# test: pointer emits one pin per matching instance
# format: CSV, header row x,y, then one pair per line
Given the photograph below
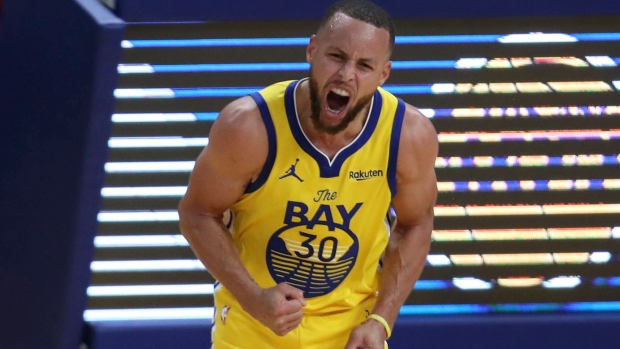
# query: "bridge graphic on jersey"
x,y
314,278
291,171
316,264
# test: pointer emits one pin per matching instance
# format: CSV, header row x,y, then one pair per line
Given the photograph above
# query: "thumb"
x,y
294,293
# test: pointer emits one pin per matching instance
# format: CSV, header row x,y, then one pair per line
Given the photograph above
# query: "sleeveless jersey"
x,y
319,224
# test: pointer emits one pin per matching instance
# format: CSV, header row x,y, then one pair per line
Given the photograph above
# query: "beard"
x,y
315,105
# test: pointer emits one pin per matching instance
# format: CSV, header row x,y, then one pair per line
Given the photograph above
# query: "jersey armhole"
x,y
271,138
394,145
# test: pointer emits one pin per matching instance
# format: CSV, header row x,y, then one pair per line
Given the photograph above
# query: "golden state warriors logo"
x,y
313,251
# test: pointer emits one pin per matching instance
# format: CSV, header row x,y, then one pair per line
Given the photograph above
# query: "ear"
x,y
385,74
310,49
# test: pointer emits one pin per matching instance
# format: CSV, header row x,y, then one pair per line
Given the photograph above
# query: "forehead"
x,y
354,36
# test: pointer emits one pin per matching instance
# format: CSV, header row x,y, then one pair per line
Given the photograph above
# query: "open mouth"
x,y
337,100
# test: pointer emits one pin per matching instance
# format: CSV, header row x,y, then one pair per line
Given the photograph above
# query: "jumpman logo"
x,y
291,171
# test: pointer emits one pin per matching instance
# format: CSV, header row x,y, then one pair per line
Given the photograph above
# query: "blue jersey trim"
x,y
327,170
394,142
271,137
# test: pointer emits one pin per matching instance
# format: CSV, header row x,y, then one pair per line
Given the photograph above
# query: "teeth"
x,y
340,92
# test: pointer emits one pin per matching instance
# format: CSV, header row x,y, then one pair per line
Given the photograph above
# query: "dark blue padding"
x,y
184,10
58,73
154,334
540,331
528,331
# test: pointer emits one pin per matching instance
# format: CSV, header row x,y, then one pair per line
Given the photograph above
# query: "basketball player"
x,y
308,170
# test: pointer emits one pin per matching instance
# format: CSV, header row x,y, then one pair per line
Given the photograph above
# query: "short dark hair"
x,y
365,11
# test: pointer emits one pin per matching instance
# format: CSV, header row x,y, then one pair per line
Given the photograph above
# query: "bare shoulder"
x,y
240,120
418,143
235,155
239,134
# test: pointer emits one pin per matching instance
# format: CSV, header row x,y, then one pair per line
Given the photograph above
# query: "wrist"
x,y
383,322
249,295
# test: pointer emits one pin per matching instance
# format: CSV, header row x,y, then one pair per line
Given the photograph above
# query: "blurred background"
x,y
105,106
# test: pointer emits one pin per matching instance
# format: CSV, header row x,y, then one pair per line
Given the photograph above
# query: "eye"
x,y
336,56
366,66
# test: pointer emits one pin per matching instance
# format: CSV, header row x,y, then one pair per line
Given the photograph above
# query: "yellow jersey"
x,y
316,223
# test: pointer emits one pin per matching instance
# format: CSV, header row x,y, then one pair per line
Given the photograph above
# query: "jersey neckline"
x,y
330,168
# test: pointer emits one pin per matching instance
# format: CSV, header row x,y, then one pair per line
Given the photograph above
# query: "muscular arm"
x,y
219,178
410,237
235,155
409,242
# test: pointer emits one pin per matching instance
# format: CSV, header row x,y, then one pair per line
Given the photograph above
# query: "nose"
x,y
347,70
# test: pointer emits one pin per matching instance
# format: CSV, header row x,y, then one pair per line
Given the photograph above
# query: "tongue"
x,y
336,102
